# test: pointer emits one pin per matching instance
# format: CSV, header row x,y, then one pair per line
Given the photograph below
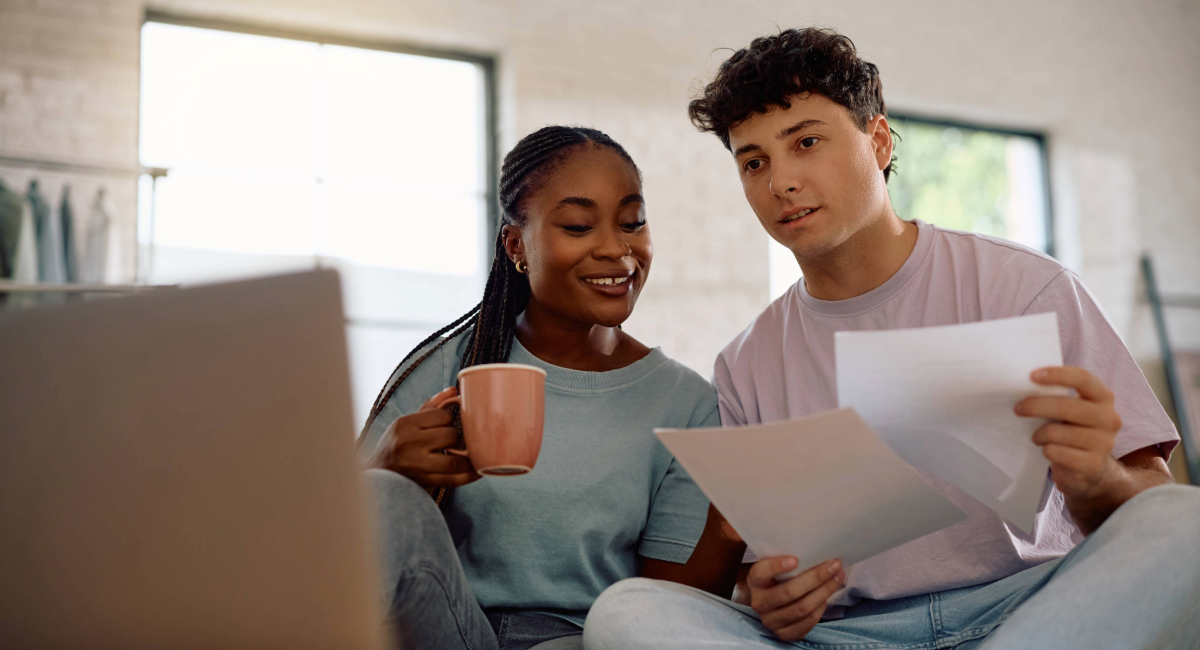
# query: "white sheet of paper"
x,y
943,398
816,488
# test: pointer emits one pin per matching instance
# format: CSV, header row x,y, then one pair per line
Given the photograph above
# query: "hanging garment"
x,y
49,238
25,260
11,207
70,247
95,243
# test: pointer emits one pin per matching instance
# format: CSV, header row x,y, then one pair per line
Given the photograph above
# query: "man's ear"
x,y
514,246
881,137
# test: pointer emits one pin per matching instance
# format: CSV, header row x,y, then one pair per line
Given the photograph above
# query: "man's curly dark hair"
x,y
776,68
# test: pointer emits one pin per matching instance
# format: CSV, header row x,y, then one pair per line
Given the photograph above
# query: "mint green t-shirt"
x,y
603,492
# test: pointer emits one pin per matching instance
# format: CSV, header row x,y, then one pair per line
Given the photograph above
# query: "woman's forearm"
x,y
712,567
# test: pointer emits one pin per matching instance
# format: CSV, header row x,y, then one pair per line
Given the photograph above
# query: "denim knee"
x,y
613,620
410,524
628,594
1169,510
393,488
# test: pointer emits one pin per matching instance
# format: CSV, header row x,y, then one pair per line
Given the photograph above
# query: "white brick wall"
x,y
69,93
1111,82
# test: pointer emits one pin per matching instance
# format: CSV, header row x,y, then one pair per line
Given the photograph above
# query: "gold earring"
x,y
521,266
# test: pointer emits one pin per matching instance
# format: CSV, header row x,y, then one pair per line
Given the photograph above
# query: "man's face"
x,y
812,176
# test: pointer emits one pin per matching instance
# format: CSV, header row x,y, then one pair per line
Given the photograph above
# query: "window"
x,y
963,177
294,153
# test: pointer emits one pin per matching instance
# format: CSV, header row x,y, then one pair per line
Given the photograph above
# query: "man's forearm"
x,y
1128,476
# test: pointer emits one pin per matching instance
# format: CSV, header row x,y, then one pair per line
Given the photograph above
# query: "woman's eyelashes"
x,y
581,229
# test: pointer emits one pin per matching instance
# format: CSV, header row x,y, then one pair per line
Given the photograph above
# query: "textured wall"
x,y
1112,83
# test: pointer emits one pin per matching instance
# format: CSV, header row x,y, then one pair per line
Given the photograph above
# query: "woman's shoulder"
x,y
690,389
427,370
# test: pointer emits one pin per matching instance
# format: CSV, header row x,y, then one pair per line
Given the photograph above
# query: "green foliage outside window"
x,y
953,177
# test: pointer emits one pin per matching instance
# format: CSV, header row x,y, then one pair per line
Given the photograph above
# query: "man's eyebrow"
x,y
746,148
799,126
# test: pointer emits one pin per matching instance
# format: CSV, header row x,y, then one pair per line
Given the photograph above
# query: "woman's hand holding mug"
x,y
414,446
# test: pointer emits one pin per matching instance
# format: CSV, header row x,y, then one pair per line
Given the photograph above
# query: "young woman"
x,y
512,562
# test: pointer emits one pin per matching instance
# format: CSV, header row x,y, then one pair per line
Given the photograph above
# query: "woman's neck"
x,y
572,344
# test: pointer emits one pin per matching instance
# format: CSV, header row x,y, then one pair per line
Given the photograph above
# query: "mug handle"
x,y
457,399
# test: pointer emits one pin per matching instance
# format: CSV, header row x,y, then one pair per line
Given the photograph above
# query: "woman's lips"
x,y
612,290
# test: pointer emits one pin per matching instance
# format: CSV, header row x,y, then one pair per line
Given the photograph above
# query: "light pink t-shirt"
x,y
782,367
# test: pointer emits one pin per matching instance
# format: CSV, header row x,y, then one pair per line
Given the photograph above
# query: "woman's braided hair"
x,y
493,321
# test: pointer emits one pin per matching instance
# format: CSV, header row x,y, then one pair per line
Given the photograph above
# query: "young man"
x,y
1113,560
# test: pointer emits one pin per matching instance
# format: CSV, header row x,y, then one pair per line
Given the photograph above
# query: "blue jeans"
x,y
425,594
1133,584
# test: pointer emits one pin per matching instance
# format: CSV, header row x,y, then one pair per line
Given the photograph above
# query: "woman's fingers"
x,y
436,438
436,400
438,463
429,419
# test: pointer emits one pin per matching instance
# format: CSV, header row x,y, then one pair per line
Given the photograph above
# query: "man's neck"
x,y
864,262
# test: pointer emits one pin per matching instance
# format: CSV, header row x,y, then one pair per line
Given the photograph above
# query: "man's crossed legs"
x,y
1133,584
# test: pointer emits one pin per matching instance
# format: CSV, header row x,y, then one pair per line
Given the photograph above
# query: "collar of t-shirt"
x,y
882,293
583,381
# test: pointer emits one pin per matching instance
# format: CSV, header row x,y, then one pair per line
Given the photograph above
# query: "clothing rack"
x,y
1187,435
79,168
154,173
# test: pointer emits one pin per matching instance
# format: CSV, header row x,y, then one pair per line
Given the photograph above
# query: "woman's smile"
x,y
611,283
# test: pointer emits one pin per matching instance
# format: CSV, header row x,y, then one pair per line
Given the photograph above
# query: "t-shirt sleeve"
x,y
732,414
426,381
1089,341
679,509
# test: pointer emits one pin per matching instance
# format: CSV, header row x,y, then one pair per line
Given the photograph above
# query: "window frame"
x,y
486,62
1041,138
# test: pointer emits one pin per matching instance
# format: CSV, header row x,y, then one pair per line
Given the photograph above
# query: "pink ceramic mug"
x,y
503,410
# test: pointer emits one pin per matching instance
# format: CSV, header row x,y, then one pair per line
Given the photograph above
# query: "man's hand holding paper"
x,y
804,492
958,402
944,398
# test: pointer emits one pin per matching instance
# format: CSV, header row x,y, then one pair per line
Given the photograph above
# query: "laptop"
x,y
177,470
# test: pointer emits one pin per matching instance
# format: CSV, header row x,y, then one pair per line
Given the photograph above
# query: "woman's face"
x,y
585,238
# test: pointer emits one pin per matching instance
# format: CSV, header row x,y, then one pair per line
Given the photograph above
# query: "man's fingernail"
x,y
790,563
835,566
841,577
1040,373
